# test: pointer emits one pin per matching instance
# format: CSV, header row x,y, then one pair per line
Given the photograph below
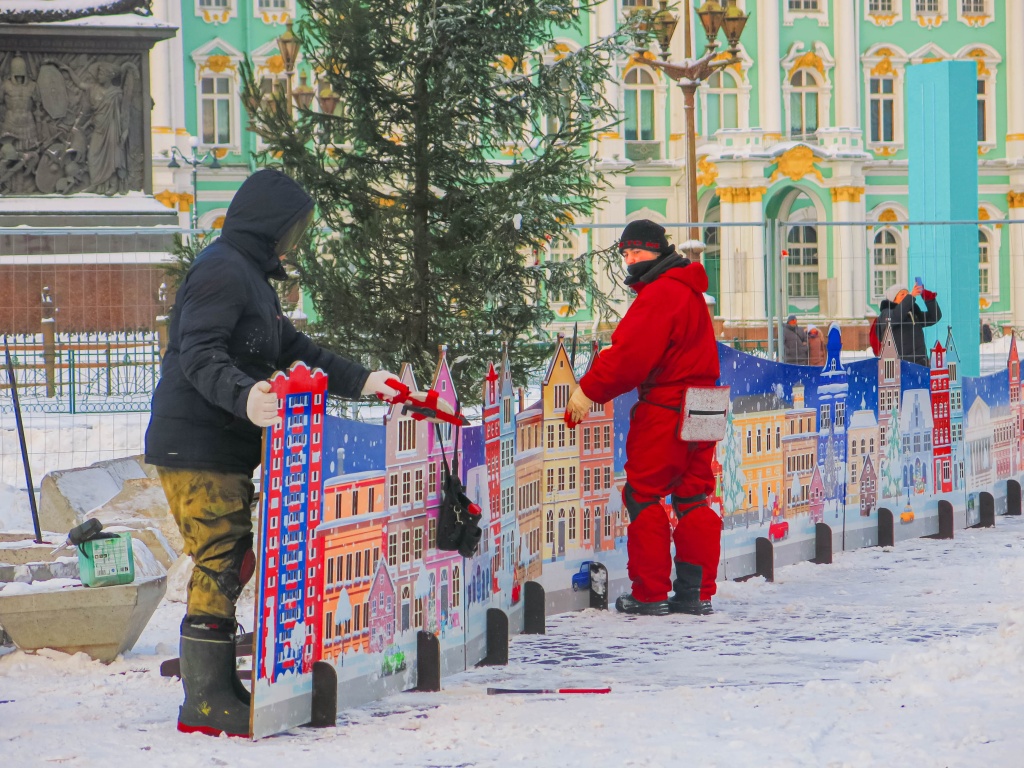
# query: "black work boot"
x,y
687,591
208,673
629,604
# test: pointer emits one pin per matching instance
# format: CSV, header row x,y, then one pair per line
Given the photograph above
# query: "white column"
x,y
1014,53
1017,260
848,255
742,256
846,73
769,82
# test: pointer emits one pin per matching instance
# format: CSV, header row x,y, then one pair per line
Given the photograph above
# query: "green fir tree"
x,y
892,475
734,497
460,147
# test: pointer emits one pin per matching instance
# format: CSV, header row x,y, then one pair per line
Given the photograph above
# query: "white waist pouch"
x,y
703,414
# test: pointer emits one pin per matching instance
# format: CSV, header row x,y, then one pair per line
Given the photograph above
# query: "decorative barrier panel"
x,y
805,448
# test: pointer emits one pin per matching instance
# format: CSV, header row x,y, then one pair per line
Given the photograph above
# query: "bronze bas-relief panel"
x,y
71,122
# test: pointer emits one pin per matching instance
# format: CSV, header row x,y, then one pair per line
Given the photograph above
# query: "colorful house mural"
x,y
355,585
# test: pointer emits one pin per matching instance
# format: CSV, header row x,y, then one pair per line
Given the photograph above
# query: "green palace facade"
x,y
805,131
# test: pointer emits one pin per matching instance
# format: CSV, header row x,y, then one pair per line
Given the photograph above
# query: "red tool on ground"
x,y
495,691
424,405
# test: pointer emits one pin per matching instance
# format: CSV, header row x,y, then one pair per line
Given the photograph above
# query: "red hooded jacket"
x,y
664,343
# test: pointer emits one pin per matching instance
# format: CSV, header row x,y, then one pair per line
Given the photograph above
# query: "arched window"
x,y
984,263
549,528
639,105
721,102
882,99
803,104
456,586
802,264
712,256
586,524
639,125
885,258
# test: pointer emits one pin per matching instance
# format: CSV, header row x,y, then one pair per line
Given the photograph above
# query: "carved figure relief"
x,y
70,123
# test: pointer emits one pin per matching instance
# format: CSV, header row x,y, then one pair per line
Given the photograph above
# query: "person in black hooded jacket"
x,y
228,335
899,309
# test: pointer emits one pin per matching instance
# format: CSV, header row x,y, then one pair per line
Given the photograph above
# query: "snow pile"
x,y
905,656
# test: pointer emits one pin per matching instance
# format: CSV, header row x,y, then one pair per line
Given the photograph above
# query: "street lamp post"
x,y
195,160
691,73
288,46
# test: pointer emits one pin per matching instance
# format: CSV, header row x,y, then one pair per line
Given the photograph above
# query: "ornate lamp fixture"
x,y
711,15
304,94
735,21
328,100
665,23
288,45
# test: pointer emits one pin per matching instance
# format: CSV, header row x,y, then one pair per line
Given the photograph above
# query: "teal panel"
x,y
942,141
659,206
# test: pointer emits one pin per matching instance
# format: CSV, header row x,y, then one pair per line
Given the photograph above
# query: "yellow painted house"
x,y
560,480
761,421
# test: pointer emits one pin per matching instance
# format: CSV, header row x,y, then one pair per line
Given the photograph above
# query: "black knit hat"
x,y
645,234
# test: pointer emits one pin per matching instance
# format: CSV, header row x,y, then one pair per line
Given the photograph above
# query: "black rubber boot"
x,y
629,604
208,673
687,591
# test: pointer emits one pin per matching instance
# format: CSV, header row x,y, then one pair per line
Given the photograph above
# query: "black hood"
x,y
262,210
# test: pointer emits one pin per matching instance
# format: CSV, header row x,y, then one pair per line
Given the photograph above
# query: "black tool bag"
x,y
458,519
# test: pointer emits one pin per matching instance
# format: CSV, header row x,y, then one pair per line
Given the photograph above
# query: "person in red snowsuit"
x,y
663,344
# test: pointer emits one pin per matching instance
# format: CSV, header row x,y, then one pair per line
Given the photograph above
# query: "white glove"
x,y
376,385
578,406
261,405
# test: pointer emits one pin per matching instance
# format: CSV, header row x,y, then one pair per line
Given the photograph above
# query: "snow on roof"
x,y
863,419
133,202
125,13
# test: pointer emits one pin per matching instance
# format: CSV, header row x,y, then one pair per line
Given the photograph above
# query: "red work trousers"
x,y
658,464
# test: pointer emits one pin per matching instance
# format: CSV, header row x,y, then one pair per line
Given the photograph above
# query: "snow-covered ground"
x,y
909,656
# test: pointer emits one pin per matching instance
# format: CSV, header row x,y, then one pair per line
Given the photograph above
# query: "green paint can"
x,y
106,559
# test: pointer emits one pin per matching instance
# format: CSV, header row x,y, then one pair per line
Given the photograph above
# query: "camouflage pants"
x,y
212,510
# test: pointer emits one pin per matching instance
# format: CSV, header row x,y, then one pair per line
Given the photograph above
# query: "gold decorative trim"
x,y
979,56
736,65
934,21
219,63
797,163
983,150
676,136
218,223
183,200
707,172
931,59
1015,199
983,215
162,129
282,17
847,194
809,60
216,17
275,64
884,151
181,132
884,67
734,195
1015,137
888,215
883,19
976,20
609,135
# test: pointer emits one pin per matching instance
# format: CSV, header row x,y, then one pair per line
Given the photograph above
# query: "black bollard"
x,y
764,558
497,639
533,608
886,528
822,544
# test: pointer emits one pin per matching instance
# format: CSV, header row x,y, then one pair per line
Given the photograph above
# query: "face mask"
x,y
293,236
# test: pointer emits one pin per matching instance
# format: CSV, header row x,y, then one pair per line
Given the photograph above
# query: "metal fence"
x,y
84,372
